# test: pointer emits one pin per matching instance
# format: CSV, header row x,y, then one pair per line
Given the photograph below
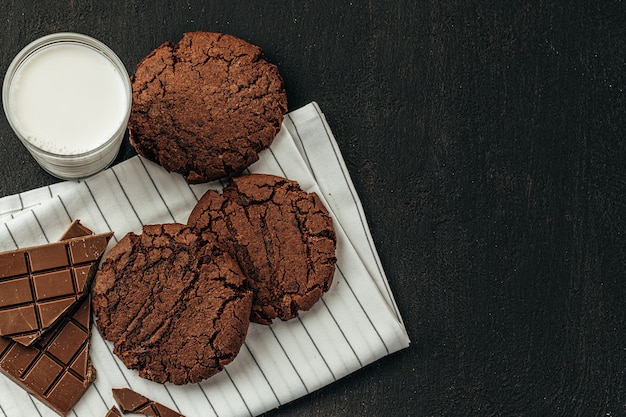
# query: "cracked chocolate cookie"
x,y
281,236
176,310
205,106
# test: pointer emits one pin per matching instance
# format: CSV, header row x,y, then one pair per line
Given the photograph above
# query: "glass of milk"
x,y
67,97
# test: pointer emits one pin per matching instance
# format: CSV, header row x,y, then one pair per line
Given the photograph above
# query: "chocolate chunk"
x,y
76,229
282,237
39,284
175,309
130,401
56,369
113,412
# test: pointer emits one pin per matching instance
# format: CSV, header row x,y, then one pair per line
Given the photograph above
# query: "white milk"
x,y
68,99
67,96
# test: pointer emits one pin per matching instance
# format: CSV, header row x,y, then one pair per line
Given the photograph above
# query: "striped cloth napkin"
x,y
356,322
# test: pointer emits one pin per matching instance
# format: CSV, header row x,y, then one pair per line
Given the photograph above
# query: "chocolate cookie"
x,y
205,106
282,237
175,310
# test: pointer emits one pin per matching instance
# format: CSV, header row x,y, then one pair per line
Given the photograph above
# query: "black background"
x,y
486,141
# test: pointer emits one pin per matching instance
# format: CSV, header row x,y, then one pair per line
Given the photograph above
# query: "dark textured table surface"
x,y
486,142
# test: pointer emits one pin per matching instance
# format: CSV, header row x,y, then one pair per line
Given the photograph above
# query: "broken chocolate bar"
x,y
130,401
39,284
56,369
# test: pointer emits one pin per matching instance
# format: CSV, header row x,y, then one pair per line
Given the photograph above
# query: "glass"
x,y
67,97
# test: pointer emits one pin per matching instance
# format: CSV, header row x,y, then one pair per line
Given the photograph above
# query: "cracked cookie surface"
x,y
176,310
282,237
205,106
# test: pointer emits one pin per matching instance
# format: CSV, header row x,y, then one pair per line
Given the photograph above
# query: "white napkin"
x,y
356,322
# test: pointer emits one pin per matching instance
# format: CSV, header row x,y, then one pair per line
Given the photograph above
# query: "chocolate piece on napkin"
x,y
113,412
130,401
76,229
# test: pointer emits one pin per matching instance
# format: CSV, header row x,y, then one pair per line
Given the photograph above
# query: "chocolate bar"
x,y
38,285
56,369
130,401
